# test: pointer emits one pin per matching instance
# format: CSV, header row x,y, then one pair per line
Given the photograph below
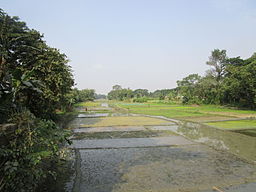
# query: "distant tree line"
x,y
118,93
76,96
229,81
137,95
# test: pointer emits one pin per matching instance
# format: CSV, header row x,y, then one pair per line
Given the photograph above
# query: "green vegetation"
x,y
78,96
35,82
87,104
124,121
197,113
29,152
176,110
249,132
138,95
235,125
118,93
229,81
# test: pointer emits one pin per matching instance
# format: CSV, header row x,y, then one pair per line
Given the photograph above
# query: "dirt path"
x,y
122,153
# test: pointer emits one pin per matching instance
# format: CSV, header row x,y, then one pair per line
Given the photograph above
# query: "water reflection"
x,y
241,145
104,104
94,115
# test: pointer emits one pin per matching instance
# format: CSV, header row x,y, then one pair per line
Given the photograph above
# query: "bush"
x,y
29,152
140,100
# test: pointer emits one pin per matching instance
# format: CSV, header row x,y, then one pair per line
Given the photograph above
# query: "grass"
x,y
181,111
249,132
198,113
126,121
87,104
123,134
234,125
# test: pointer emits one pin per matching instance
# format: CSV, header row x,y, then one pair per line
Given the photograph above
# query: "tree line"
x,y
229,81
137,95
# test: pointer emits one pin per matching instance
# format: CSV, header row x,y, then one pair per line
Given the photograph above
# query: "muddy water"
x,y
241,145
189,168
109,129
104,105
165,163
93,115
130,142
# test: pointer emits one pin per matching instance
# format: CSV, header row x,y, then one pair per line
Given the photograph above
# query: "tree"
x,y
217,61
239,85
140,93
160,94
188,86
120,94
116,87
32,75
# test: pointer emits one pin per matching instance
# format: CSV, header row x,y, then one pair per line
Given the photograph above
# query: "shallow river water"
x,y
195,158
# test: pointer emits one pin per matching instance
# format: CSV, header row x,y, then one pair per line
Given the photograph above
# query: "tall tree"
x,y
217,61
32,74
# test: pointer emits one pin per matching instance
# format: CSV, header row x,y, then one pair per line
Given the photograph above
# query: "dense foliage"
x,y
229,81
76,96
139,95
118,93
31,73
162,93
35,81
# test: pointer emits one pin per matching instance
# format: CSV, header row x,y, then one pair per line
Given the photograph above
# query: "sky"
x,y
146,44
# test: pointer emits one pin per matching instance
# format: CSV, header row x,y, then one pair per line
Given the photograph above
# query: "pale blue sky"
x,y
140,43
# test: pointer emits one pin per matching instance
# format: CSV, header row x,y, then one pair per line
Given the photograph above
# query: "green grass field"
x,y
213,115
87,104
234,125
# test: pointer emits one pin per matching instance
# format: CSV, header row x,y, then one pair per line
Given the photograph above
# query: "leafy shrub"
x,y
29,151
140,100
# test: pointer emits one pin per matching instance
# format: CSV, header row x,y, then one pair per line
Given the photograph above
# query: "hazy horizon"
x,y
140,44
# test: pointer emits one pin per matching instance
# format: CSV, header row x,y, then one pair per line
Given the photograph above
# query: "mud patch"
x,y
123,134
170,128
130,142
109,129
